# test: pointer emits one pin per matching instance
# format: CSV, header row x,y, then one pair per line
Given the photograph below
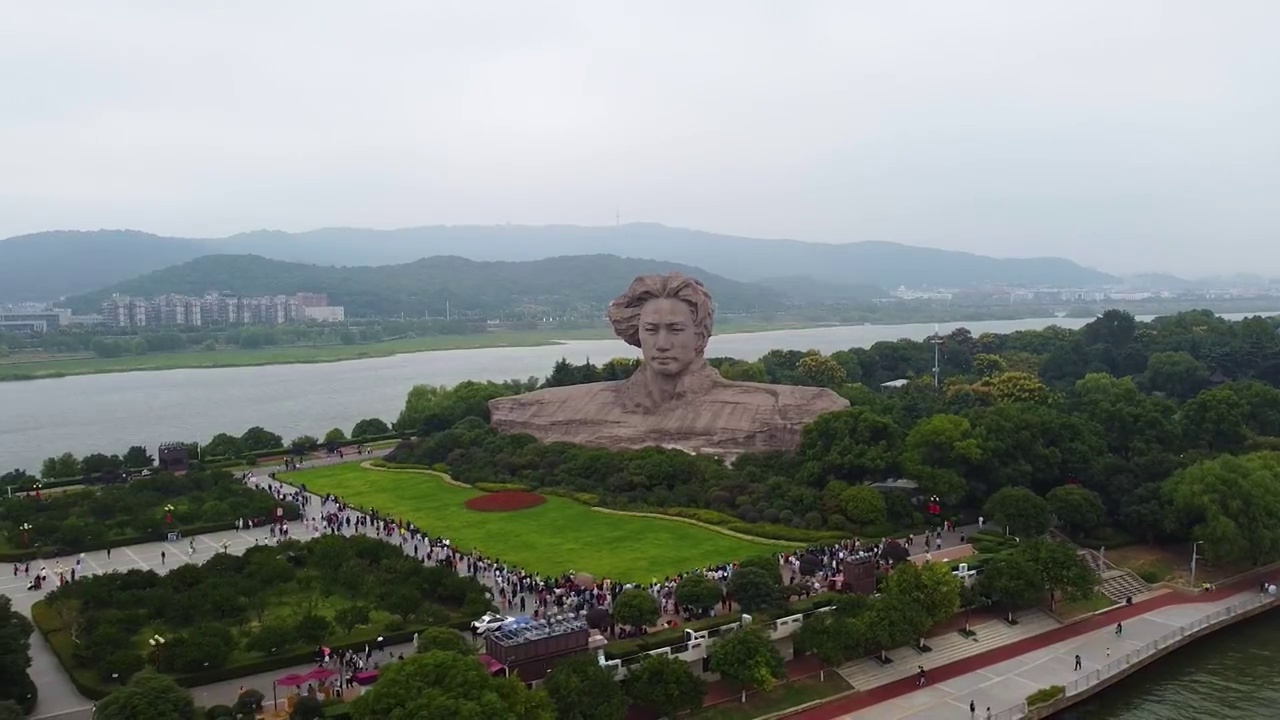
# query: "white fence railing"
x,y
1119,664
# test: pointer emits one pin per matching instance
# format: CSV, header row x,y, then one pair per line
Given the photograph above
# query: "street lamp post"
x,y
156,642
26,529
1194,547
168,515
36,486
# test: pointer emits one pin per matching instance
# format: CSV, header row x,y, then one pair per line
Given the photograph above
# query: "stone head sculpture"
x,y
669,317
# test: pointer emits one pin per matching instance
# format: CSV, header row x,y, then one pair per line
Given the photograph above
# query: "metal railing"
x,y
1096,676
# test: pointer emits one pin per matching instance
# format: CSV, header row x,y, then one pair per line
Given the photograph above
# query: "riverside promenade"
x,y
1000,679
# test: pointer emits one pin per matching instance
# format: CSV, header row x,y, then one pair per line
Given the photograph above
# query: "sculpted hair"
x,y
624,312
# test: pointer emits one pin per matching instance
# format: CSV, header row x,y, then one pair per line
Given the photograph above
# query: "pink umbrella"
x,y
320,674
294,680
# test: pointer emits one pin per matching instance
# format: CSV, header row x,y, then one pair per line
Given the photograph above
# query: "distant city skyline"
x,y
1133,137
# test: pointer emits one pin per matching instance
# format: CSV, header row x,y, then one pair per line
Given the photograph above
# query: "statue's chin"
x,y
668,369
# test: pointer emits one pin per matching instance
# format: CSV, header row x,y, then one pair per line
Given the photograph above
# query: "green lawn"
x,y
555,537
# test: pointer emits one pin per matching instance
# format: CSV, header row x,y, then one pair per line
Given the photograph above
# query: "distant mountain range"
x,y
50,265
580,285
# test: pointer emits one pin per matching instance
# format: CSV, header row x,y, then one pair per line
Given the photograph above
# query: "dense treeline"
x,y
1105,427
570,285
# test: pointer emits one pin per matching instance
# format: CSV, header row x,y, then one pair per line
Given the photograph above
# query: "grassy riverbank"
x,y
17,367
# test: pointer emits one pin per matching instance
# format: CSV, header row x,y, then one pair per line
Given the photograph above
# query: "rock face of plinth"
x,y
708,415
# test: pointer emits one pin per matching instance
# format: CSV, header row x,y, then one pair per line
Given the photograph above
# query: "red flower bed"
x,y
505,501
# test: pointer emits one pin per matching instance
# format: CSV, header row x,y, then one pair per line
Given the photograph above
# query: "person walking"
x,y
1077,662
1119,629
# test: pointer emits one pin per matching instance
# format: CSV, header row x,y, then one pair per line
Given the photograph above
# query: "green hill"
x,y
572,286
45,266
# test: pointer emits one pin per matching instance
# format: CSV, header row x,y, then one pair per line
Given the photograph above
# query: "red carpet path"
x,y
874,696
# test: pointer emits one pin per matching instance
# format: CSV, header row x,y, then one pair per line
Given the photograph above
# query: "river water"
x,y
1229,674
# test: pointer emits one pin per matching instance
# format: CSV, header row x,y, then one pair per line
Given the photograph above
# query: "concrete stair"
x,y
1118,584
866,673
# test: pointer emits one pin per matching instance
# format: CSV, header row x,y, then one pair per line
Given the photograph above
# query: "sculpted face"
x,y
668,338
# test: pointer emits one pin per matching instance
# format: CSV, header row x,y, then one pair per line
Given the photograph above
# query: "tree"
x,y
136,457
15,653
636,608
1062,571
1216,420
768,564
369,427
988,366
1231,504
932,587
448,685
749,658
581,688
940,453
223,445
63,466
349,617
664,685
10,710
444,640
698,592
257,439
832,636
334,436
820,371
1022,511
1176,374
863,506
1114,328
753,589
853,445
307,707
1011,581
148,696
303,444
1019,387
890,622
1079,509
95,463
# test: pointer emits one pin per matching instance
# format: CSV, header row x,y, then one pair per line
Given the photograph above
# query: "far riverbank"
x,y
34,365
14,368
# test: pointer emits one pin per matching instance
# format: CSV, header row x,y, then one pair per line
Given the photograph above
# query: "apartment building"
x,y
215,309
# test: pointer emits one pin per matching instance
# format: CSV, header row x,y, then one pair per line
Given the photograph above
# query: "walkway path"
x,y
1004,676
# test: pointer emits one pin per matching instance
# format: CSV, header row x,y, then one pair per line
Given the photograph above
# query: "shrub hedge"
x,y
87,683
621,649
493,487
763,530
1046,695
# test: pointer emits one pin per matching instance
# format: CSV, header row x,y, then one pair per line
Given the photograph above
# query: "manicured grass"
x,y
783,697
1091,604
555,537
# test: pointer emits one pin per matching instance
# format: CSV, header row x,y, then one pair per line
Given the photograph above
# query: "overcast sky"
x,y
1123,134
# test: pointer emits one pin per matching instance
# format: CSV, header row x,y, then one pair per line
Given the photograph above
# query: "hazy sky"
x,y
1123,134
